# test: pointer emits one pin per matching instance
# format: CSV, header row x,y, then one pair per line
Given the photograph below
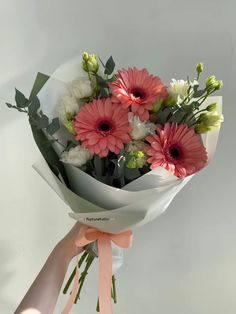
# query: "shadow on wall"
x,y
6,274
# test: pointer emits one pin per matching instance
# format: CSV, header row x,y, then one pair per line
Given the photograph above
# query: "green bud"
x,y
202,117
69,125
207,122
85,56
131,164
213,84
157,105
199,68
90,63
201,128
169,101
212,107
69,122
219,85
137,159
69,116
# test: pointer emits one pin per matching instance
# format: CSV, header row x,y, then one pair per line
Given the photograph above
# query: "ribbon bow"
x,y
88,235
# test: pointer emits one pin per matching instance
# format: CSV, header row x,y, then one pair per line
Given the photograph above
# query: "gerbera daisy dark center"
x,y
104,126
138,93
175,152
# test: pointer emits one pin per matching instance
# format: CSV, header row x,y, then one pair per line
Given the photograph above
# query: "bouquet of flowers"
x,y
117,148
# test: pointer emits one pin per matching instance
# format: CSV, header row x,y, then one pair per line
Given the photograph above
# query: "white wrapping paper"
x,y
96,204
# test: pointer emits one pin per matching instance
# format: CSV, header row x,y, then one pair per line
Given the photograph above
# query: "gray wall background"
x,y
182,263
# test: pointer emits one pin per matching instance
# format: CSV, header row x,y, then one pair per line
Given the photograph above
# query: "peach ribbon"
x,y
88,235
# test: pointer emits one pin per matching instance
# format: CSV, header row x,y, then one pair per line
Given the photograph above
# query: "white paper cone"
x,y
94,203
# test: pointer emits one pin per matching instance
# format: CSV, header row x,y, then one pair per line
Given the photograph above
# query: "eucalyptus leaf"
x,y
163,115
40,138
110,66
49,154
34,106
39,82
70,144
21,100
112,79
132,174
177,117
104,93
42,121
99,166
53,127
101,82
10,105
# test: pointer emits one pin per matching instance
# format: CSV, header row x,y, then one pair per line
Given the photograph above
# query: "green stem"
x,y
188,97
98,307
84,274
113,293
114,289
205,97
73,273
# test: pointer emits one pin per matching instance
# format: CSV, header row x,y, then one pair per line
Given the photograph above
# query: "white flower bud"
x,y
76,156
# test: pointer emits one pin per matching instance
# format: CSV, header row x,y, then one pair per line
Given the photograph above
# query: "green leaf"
x,y
53,126
21,100
39,82
49,154
34,106
112,79
37,118
110,66
14,107
42,121
69,145
177,117
132,174
10,105
104,93
101,82
164,115
99,166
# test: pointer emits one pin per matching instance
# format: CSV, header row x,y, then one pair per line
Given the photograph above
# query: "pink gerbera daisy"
x,y
177,148
138,89
102,126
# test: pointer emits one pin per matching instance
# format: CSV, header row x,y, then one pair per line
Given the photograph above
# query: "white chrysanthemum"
x,y
76,156
178,89
81,88
140,129
68,104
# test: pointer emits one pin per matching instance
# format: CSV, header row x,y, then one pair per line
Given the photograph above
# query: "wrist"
x,y
65,250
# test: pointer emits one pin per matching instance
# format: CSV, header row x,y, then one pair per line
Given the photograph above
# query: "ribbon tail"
x,y
74,291
105,274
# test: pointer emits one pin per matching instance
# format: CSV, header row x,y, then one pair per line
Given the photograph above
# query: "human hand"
x,y
67,244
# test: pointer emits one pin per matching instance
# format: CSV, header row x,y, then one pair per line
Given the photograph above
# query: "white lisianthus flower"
x,y
81,88
140,129
67,105
178,89
194,83
76,156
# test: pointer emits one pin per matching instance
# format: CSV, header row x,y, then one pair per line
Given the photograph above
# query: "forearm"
x,y
42,296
